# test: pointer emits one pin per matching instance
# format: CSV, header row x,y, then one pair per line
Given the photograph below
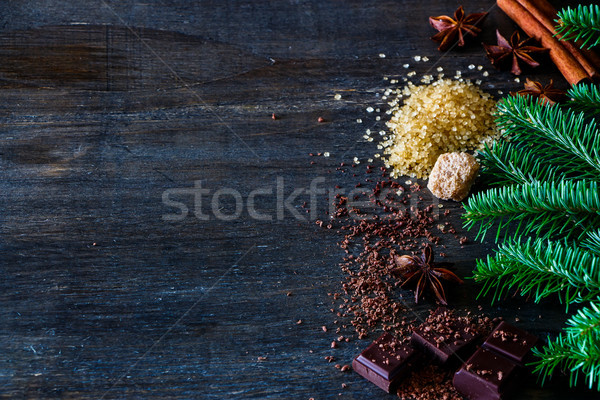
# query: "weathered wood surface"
x,y
106,106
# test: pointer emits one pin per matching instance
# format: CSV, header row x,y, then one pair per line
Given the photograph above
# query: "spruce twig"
x,y
586,98
568,208
506,163
580,24
564,137
541,268
577,351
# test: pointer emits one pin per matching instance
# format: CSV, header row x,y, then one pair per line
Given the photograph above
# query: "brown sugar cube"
x,y
452,176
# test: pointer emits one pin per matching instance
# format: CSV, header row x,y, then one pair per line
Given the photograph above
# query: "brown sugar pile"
x,y
444,116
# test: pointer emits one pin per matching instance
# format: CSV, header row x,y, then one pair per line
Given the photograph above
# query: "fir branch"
x,y
577,351
562,137
551,157
567,208
541,268
586,98
580,24
505,163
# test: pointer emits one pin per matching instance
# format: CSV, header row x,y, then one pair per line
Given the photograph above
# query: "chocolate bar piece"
x,y
511,342
486,376
445,336
384,362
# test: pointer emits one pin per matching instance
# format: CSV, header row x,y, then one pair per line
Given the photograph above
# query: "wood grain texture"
x,y
106,106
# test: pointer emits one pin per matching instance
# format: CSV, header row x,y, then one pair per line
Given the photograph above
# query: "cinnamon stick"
x,y
550,15
545,13
570,68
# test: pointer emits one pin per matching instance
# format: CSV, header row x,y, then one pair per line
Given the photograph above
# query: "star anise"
x,y
546,94
452,30
514,49
426,272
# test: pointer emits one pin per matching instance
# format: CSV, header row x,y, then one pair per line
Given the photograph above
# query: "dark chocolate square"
x,y
450,338
486,376
511,342
384,362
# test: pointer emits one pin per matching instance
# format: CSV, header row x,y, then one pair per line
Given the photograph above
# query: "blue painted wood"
x,y
116,117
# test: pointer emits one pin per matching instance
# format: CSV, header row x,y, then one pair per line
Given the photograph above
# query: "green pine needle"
x,y
580,24
586,98
577,351
540,268
592,242
561,137
568,208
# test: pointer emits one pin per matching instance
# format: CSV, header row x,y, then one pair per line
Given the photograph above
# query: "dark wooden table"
x,y
115,114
